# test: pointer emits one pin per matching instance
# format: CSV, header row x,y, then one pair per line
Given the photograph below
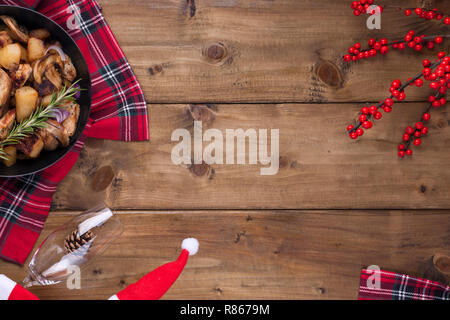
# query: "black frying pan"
x,y
34,20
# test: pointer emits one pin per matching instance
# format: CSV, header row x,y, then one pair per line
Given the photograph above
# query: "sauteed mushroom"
x,y
69,72
20,75
71,122
53,75
40,67
41,34
5,90
5,39
18,32
54,135
46,74
6,123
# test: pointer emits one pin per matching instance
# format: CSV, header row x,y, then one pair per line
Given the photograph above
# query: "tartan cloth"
x,y
118,113
384,285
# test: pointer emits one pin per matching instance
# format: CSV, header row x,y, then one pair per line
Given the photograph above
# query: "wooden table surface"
x,y
334,207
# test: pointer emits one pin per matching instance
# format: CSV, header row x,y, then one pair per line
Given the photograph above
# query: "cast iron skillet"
x,y
34,20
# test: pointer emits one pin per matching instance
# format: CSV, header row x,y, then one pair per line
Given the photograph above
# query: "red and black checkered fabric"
x,y
384,285
118,113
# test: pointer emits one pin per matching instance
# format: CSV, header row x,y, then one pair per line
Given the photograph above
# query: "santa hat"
x,y
155,284
9,290
151,287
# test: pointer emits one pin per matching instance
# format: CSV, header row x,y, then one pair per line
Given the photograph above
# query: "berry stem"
x,y
402,87
427,110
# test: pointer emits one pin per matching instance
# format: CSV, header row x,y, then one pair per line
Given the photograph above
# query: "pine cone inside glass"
x,y
74,242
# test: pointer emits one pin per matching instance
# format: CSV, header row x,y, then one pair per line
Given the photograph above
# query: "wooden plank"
x,y
261,51
321,167
260,254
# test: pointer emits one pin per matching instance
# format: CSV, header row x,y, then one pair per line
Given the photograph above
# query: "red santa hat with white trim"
x,y
156,283
9,290
151,287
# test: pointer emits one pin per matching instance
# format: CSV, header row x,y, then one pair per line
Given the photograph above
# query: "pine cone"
x,y
74,242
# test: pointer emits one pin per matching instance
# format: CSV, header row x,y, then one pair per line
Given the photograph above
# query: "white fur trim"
x,y
191,245
114,297
6,287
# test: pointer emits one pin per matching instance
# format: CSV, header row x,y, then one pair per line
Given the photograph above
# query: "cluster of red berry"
x,y
440,82
439,76
412,41
361,6
428,14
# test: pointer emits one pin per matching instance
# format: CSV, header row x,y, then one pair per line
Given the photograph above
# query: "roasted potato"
x,y
36,49
31,146
26,102
10,56
11,152
40,34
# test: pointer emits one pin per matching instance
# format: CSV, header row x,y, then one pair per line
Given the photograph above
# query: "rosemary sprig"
x,y
37,120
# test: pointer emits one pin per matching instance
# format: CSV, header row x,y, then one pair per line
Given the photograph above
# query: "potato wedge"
x,y
40,34
31,146
36,49
11,152
10,56
26,98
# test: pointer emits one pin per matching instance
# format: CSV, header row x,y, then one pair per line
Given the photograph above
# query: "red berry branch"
x,y
428,14
437,74
439,81
362,6
381,46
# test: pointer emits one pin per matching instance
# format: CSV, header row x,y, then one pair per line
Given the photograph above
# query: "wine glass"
x,y
73,245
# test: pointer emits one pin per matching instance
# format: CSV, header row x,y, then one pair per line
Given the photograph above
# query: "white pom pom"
x,y
191,245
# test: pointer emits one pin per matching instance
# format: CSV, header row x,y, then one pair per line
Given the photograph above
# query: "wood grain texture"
x,y
260,254
261,51
321,167
283,58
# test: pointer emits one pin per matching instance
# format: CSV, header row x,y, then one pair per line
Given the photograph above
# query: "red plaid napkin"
x,y
383,285
118,113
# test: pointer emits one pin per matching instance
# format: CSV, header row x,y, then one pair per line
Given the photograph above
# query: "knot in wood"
x,y
329,74
200,169
102,178
216,52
